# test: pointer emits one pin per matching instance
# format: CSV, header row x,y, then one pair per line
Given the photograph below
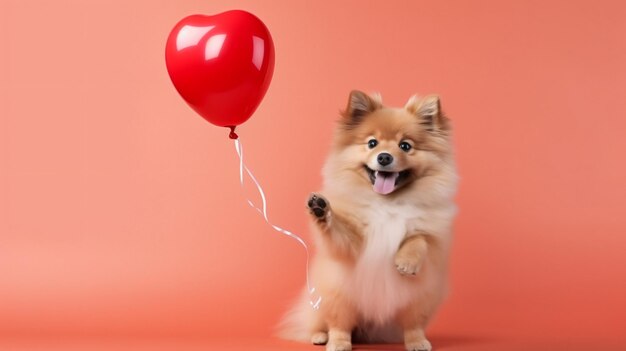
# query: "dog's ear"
x,y
428,109
359,105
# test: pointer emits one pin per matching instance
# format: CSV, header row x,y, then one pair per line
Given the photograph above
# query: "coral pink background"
x,y
122,224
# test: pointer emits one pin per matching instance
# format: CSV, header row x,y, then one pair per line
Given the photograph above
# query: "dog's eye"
x,y
405,146
372,143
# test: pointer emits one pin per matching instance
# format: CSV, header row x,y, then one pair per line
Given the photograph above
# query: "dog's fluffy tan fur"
x,y
382,249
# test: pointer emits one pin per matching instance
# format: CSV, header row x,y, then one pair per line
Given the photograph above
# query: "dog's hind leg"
x,y
319,338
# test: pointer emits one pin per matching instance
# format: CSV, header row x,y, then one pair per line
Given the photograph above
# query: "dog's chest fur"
x,y
378,288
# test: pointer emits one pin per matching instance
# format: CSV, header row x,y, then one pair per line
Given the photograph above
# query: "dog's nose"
x,y
384,159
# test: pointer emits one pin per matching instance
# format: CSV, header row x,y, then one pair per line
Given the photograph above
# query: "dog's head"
x,y
388,149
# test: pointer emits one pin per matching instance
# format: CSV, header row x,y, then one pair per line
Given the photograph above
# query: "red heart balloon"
x,y
221,65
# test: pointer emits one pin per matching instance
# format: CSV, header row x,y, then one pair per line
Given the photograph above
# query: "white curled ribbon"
x,y
315,303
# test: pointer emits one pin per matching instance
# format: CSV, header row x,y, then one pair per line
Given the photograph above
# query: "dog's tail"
x,y
300,322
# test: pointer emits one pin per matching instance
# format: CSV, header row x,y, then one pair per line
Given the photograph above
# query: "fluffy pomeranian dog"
x,y
382,226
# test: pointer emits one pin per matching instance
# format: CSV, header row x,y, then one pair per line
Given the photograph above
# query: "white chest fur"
x,y
377,287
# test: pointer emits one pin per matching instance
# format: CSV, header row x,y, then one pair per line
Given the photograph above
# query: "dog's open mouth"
x,y
386,182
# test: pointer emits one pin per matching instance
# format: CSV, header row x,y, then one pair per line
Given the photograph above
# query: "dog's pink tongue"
x,y
384,184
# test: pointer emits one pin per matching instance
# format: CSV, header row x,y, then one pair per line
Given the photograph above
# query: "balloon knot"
x,y
232,133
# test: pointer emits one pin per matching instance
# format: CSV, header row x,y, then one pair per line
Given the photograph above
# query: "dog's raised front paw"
x,y
408,265
318,206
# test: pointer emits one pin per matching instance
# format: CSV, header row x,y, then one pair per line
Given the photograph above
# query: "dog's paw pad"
x,y
318,205
408,266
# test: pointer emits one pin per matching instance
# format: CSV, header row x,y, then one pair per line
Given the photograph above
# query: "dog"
x,y
382,226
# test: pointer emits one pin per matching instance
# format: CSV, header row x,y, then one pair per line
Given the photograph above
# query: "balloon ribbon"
x,y
315,303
